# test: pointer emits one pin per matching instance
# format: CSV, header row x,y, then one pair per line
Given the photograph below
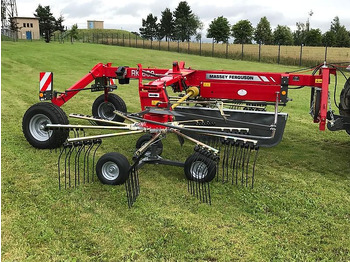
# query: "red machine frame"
x,y
212,84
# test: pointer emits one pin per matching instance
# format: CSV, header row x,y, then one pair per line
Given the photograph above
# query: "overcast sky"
x,y
128,14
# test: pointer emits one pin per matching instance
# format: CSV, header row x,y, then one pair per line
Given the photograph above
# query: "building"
x,y
93,24
28,27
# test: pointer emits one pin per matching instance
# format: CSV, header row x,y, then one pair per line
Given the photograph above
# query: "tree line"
x,y
182,24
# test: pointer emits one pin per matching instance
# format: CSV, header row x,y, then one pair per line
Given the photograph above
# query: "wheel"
x,y
200,168
315,104
103,109
112,168
344,105
144,139
35,120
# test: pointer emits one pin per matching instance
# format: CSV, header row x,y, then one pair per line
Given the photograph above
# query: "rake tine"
x,y
132,184
245,151
256,157
63,149
197,179
233,164
240,161
227,159
65,164
232,157
247,165
86,159
98,142
223,162
128,190
80,146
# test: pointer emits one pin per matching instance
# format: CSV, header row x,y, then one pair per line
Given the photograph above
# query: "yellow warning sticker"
x,y
206,84
318,81
155,102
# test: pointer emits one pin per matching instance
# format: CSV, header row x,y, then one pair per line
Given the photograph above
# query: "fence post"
x,y
200,46
136,40
301,54
212,49
242,55
188,46
178,46
259,51
226,49
151,43
143,43
112,39
159,45
123,41
325,53
279,53
129,40
168,44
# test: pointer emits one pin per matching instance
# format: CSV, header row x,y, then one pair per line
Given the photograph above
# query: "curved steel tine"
x,y
86,160
80,146
63,149
238,163
256,157
245,151
234,163
98,142
247,165
128,190
65,165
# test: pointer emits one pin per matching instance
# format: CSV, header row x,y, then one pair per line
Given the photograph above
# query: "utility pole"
x,y
8,11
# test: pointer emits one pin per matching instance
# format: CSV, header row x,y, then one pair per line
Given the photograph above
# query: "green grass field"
x,y
299,209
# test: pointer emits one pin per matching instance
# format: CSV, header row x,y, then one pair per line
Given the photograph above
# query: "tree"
x,y
59,24
282,35
242,31
341,36
300,34
149,29
46,21
313,37
219,29
263,32
73,33
328,38
166,26
186,22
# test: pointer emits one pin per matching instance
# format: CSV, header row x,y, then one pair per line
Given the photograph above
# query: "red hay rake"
x,y
223,113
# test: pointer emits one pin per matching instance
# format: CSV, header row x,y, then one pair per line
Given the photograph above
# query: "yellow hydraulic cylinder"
x,y
192,91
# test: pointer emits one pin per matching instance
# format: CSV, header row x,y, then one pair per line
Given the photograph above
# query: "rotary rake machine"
x,y
223,113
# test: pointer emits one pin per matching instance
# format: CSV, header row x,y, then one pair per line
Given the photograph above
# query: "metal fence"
x,y
280,54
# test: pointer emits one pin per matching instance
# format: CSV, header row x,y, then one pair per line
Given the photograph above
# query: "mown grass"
x,y
298,210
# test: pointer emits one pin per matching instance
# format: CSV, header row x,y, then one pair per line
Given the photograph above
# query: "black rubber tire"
x,y
344,104
199,161
315,103
35,119
144,139
112,169
104,110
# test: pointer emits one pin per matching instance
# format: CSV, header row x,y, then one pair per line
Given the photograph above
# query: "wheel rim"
x,y
105,110
37,126
110,170
199,170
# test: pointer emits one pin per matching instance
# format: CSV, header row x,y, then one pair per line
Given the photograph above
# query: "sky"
x,y
128,14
